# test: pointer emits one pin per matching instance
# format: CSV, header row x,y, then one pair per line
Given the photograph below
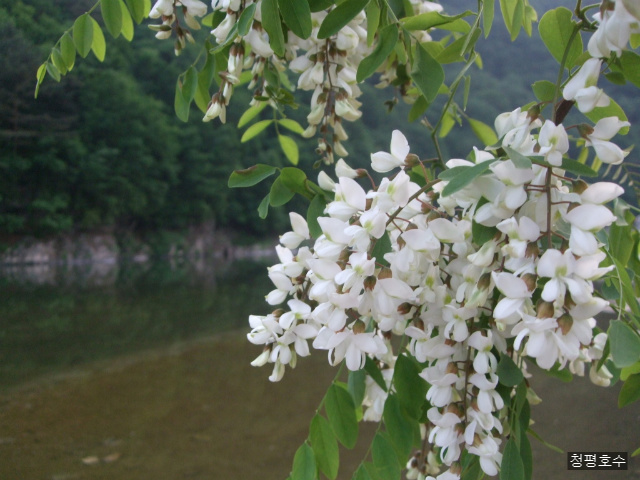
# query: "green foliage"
x,y
341,412
559,33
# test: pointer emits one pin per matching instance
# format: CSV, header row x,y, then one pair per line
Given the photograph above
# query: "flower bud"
x,y
277,313
412,160
585,130
385,272
568,301
370,282
579,186
532,251
359,327
565,322
484,282
530,279
404,308
544,309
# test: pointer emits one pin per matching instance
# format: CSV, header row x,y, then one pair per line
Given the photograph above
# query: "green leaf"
x,y
246,20
484,132
319,5
508,372
127,22
418,108
512,13
291,125
544,442
386,43
401,429
563,375
630,370
373,21
621,242
98,45
577,168
40,75
356,384
297,16
556,28
315,210
53,71
512,467
630,62
374,372
325,446
250,176
428,20
488,13
526,455
340,16
544,90
481,233
295,180
465,177
139,9
190,84
519,160
279,193
410,386
427,73
180,105
112,16
273,26
630,391
68,51
362,474
290,148
625,344
304,464
382,246
56,58
613,110
341,412
385,461
254,130
251,113
263,208
83,34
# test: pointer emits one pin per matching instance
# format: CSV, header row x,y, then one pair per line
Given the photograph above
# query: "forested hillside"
x,y
104,149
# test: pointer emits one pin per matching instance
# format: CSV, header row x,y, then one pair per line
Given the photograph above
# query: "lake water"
x,y
142,371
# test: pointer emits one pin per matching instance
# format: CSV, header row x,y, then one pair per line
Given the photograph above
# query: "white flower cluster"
x,y
327,67
527,292
500,268
166,11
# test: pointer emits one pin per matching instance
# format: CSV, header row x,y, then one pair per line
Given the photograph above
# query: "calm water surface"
x,y
142,372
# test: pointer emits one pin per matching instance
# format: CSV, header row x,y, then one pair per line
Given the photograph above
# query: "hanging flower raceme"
x,y
527,293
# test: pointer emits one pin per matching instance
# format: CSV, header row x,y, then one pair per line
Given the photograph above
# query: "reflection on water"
x,y
170,397
57,317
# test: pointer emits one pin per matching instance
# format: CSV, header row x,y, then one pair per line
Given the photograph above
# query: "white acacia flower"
x,y
554,142
350,346
559,268
350,198
582,87
615,29
601,192
541,343
384,161
299,234
604,130
484,361
162,8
